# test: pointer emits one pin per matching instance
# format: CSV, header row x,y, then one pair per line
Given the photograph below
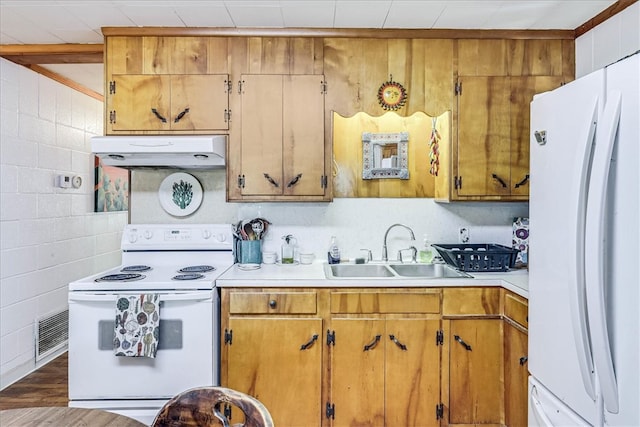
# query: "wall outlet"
x,y
463,235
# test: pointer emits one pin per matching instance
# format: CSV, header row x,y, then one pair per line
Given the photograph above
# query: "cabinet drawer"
x,y
516,309
471,301
272,302
380,302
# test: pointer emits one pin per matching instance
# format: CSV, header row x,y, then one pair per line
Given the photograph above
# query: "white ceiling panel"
x,y
308,14
523,15
256,13
468,14
412,14
17,27
361,14
152,14
203,15
570,14
100,14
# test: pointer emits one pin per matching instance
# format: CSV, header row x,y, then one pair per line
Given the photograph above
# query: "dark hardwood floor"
x,y
46,386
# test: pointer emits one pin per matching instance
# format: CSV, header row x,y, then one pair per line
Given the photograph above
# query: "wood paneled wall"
x,y
355,69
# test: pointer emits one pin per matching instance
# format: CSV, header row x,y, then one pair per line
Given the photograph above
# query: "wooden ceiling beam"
x,y
30,54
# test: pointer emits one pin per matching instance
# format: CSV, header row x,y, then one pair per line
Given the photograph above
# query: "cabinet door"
x,y
475,372
262,134
515,374
136,98
522,91
163,102
199,102
412,374
357,372
303,135
267,362
484,144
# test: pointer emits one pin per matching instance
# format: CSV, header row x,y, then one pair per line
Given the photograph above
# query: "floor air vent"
x,y
52,333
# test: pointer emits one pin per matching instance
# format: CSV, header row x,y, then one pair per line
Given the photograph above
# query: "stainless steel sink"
x,y
341,271
426,270
391,271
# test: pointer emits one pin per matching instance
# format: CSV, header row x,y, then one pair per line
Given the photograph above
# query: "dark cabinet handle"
x,y
162,119
294,181
272,303
309,343
464,344
496,177
398,343
271,180
372,344
523,182
523,360
181,115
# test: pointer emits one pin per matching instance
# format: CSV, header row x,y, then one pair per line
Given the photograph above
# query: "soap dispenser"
x,y
426,251
288,249
333,254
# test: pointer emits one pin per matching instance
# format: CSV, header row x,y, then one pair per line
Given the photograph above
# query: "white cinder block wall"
x,y
49,236
615,38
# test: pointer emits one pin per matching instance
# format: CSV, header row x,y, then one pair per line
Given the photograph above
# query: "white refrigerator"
x,y
584,262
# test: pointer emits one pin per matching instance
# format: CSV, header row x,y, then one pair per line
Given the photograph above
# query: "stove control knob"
x,y
206,234
222,237
133,237
148,234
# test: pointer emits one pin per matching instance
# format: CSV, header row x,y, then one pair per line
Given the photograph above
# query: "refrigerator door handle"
x,y
537,410
577,297
595,250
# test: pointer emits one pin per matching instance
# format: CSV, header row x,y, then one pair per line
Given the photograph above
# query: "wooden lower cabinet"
x,y
516,371
272,350
385,372
475,372
378,357
515,375
269,365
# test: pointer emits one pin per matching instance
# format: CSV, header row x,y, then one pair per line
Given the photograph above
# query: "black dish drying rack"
x,y
478,257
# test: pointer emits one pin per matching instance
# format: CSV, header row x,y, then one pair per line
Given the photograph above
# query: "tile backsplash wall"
x,y
49,236
357,223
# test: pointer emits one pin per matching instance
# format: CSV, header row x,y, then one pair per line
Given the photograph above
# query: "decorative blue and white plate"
x,y
180,194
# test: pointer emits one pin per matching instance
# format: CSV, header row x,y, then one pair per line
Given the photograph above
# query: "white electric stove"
x,y
180,264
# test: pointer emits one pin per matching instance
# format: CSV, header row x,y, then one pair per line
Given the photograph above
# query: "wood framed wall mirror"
x,y
385,155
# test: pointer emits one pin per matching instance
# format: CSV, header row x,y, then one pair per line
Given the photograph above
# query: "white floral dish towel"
x,y
137,325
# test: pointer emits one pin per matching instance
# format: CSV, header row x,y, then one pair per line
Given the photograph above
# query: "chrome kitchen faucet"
x,y
385,256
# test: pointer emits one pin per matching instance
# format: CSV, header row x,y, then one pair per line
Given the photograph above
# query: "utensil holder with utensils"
x,y
250,252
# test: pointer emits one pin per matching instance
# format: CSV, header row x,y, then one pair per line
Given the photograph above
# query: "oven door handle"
x,y
191,296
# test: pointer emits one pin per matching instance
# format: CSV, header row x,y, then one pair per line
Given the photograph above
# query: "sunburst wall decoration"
x,y
392,95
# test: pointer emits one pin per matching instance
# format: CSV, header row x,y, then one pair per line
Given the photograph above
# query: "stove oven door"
x,y
187,353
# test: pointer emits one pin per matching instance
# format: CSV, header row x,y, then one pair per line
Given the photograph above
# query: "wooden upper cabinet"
x,y
283,148
522,91
484,143
262,134
168,102
166,84
496,82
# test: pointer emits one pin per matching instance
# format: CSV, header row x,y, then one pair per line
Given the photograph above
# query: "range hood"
x,y
161,151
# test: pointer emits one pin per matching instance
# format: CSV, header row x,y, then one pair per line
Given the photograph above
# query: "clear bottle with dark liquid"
x,y
333,255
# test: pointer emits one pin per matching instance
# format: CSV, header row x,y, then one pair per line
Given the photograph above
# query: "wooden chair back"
x,y
204,407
